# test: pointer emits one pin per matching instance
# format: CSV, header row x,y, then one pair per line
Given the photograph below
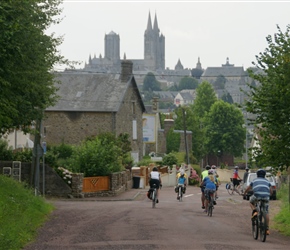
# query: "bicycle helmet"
x,y
213,167
207,167
236,167
210,171
261,173
155,169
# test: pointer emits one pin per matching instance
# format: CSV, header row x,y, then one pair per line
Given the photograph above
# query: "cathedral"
x,y
154,52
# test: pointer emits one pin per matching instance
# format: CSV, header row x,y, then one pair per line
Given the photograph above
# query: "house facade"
x,y
90,104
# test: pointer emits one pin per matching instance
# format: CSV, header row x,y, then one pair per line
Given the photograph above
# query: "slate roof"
x,y
227,71
91,92
186,96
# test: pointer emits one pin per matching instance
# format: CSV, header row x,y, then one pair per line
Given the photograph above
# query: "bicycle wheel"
x,y
210,207
255,229
154,198
180,193
230,188
263,227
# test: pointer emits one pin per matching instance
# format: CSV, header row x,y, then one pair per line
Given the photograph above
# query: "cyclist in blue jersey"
x,y
181,180
203,175
209,187
262,189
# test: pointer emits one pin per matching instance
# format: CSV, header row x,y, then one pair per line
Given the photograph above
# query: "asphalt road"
x,y
130,222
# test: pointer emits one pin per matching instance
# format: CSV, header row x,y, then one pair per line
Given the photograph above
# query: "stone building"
x,y
92,103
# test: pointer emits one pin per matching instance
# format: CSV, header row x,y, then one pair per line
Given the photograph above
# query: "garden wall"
x,y
55,186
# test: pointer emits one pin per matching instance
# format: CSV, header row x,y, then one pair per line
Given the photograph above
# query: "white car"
x,y
269,177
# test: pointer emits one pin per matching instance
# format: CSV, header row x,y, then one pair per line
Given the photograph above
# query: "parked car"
x,y
269,177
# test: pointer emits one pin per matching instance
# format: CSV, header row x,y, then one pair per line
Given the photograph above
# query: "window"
x,y
134,108
134,126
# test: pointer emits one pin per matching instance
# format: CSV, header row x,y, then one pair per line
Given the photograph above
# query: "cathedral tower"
x,y
154,46
112,47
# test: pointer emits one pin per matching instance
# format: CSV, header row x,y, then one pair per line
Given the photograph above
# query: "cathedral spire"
x,y
156,24
149,23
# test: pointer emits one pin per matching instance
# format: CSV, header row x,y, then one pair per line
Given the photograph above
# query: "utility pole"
x,y
185,137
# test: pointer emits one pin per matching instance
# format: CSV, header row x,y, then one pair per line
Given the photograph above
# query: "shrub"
x,y
6,152
169,160
65,174
194,178
98,157
172,141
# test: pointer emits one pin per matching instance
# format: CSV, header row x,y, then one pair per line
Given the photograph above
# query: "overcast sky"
x,y
211,30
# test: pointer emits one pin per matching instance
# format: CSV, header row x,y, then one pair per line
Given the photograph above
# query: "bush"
x,y
98,157
172,141
6,152
169,160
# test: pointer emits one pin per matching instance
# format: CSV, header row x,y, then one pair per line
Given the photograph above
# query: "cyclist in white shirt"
x,y
155,178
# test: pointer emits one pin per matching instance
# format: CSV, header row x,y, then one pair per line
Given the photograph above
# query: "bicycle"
x,y
154,195
231,189
180,191
259,223
210,197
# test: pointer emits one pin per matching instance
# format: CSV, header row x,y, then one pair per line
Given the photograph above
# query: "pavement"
x,y
129,195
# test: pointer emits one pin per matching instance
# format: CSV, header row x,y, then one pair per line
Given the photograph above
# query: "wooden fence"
x,y
95,184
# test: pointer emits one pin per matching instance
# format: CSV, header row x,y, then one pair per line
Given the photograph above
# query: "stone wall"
x,y
119,183
56,187
74,127
131,110
54,184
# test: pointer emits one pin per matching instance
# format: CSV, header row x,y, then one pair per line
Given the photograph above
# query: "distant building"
x,y
154,52
236,79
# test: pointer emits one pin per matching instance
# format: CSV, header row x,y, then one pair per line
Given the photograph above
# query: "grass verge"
x,y
282,218
21,214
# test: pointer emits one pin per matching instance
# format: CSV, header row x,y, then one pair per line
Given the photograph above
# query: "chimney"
x,y
126,70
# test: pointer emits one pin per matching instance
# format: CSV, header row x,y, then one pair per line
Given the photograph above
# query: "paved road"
x,y
129,222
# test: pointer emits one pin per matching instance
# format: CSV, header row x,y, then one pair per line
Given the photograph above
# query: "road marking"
x,y
188,195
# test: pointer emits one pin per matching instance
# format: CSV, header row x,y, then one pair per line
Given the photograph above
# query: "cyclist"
x,y
216,179
236,178
245,177
210,187
155,178
203,175
181,180
261,189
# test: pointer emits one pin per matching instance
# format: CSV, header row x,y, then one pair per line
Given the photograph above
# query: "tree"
x,y
219,83
224,129
205,97
27,56
270,100
150,83
196,73
187,83
227,98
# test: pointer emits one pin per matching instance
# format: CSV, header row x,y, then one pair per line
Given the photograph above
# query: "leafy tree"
x,y
98,157
205,97
270,100
219,83
172,141
224,129
196,73
187,83
27,56
150,83
227,98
